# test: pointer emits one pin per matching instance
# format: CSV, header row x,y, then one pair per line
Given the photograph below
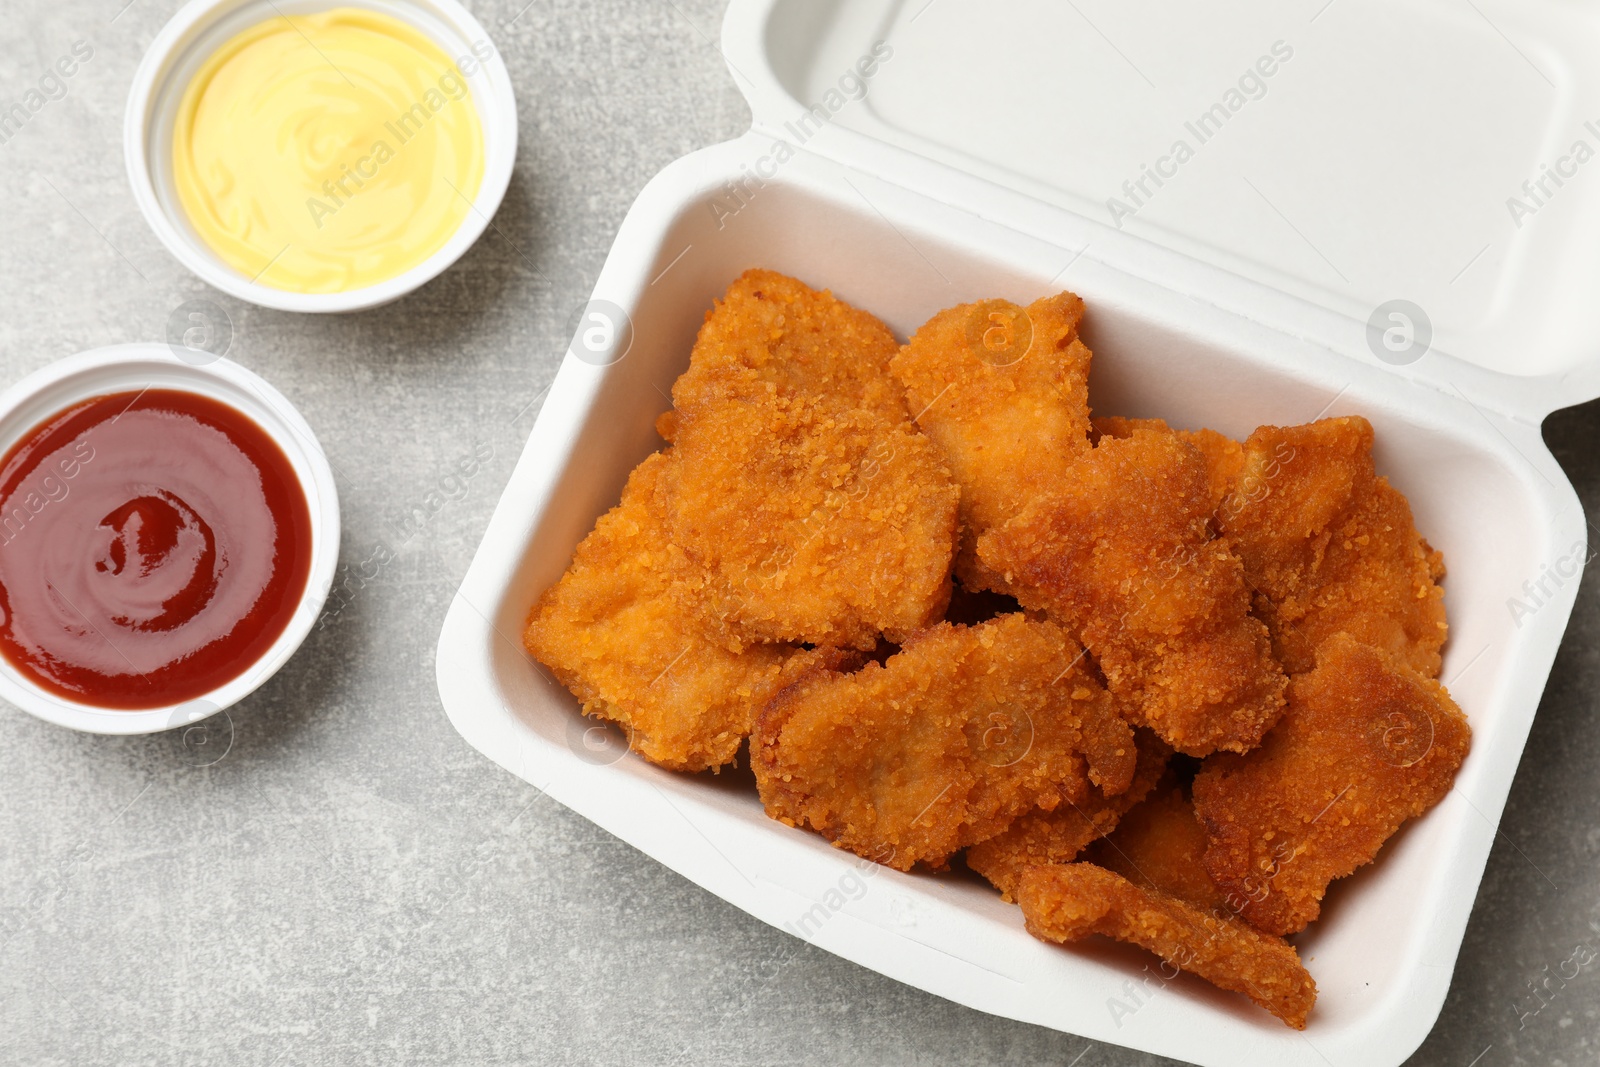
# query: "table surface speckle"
x,y
351,883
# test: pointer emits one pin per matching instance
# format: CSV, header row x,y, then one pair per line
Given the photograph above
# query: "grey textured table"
x,y
351,883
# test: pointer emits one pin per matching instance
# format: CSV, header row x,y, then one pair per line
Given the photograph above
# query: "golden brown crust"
x,y
819,512
941,746
1366,744
798,503
1003,391
1122,552
1058,836
615,632
1331,548
1160,844
773,335
1072,902
1223,455
817,525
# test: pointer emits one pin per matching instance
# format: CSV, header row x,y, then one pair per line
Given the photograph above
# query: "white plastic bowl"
x,y
196,31
128,368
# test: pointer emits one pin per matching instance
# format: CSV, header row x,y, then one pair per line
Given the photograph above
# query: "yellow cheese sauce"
x,y
326,152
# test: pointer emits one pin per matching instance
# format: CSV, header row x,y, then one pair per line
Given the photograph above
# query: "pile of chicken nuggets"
x,y
1153,684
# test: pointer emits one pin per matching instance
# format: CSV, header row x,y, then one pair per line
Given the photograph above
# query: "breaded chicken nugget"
x,y
772,335
1003,391
818,510
940,747
1331,547
1069,903
1122,552
816,525
615,631
1160,845
1059,835
1224,456
1366,744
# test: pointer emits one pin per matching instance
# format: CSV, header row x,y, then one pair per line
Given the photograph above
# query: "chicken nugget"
x,y
941,746
1160,844
616,631
1366,743
772,335
1224,456
1003,391
815,525
1330,546
1122,552
1071,902
819,512
1059,835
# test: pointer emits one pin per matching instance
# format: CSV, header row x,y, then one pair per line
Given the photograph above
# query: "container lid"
x,y
1417,177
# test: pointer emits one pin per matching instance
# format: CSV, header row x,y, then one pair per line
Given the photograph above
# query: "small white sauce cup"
x,y
131,368
199,29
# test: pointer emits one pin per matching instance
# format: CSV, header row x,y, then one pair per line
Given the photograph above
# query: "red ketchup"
x,y
153,546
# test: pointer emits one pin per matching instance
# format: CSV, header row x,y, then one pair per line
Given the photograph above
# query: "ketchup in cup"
x,y
153,546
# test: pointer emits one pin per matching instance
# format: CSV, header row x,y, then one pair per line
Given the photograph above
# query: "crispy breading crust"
x,y
615,632
819,511
1122,552
1331,548
1058,836
770,334
799,503
817,525
1224,456
1366,744
1072,902
1003,391
942,746
1160,844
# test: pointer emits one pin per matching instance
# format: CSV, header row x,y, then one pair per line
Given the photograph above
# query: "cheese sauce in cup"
x,y
327,152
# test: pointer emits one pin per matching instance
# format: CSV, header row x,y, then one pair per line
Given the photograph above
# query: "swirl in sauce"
x,y
153,546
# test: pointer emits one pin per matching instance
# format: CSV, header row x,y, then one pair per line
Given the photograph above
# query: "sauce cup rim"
x,y
152,100
33,399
